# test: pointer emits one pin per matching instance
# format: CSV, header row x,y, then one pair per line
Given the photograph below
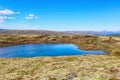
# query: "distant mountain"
x,y
33,32
97,33
116,34
2,29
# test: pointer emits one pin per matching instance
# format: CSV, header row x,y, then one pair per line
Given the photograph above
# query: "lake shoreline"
x,y
86,42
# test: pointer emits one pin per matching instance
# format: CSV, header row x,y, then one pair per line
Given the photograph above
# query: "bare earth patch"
x,y
86,67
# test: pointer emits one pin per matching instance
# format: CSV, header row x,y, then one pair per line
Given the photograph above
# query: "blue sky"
x,y
60,15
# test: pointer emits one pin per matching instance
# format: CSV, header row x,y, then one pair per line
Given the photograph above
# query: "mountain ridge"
x,y
96,33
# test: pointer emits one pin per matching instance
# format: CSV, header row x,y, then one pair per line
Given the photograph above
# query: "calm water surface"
x,y
34,50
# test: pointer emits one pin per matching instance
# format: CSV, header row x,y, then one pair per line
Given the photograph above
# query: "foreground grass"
x,y
88,67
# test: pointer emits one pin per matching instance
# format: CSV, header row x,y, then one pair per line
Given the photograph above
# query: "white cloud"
x,y
3,18
28,17
6,17
31,16
6,14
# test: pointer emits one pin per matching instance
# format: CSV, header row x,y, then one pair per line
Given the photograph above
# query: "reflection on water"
x,y
33,50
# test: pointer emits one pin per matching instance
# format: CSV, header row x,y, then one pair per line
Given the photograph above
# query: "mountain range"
x,y
96,33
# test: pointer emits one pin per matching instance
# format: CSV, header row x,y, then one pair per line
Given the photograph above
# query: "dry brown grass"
x,y
89,67
85,42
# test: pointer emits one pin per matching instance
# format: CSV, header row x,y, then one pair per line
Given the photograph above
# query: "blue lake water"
x,y
34,50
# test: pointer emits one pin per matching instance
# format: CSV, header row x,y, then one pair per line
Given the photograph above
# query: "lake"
x,y
45,49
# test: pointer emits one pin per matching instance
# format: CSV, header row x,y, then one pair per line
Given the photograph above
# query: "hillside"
x,y
97,33
116,35
33,32
2,29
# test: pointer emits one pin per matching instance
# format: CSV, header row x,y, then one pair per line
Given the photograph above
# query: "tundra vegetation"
x,y
85,67
88,42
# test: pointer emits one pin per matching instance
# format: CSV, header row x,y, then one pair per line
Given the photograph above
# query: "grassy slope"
x,y
110,44
89,67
